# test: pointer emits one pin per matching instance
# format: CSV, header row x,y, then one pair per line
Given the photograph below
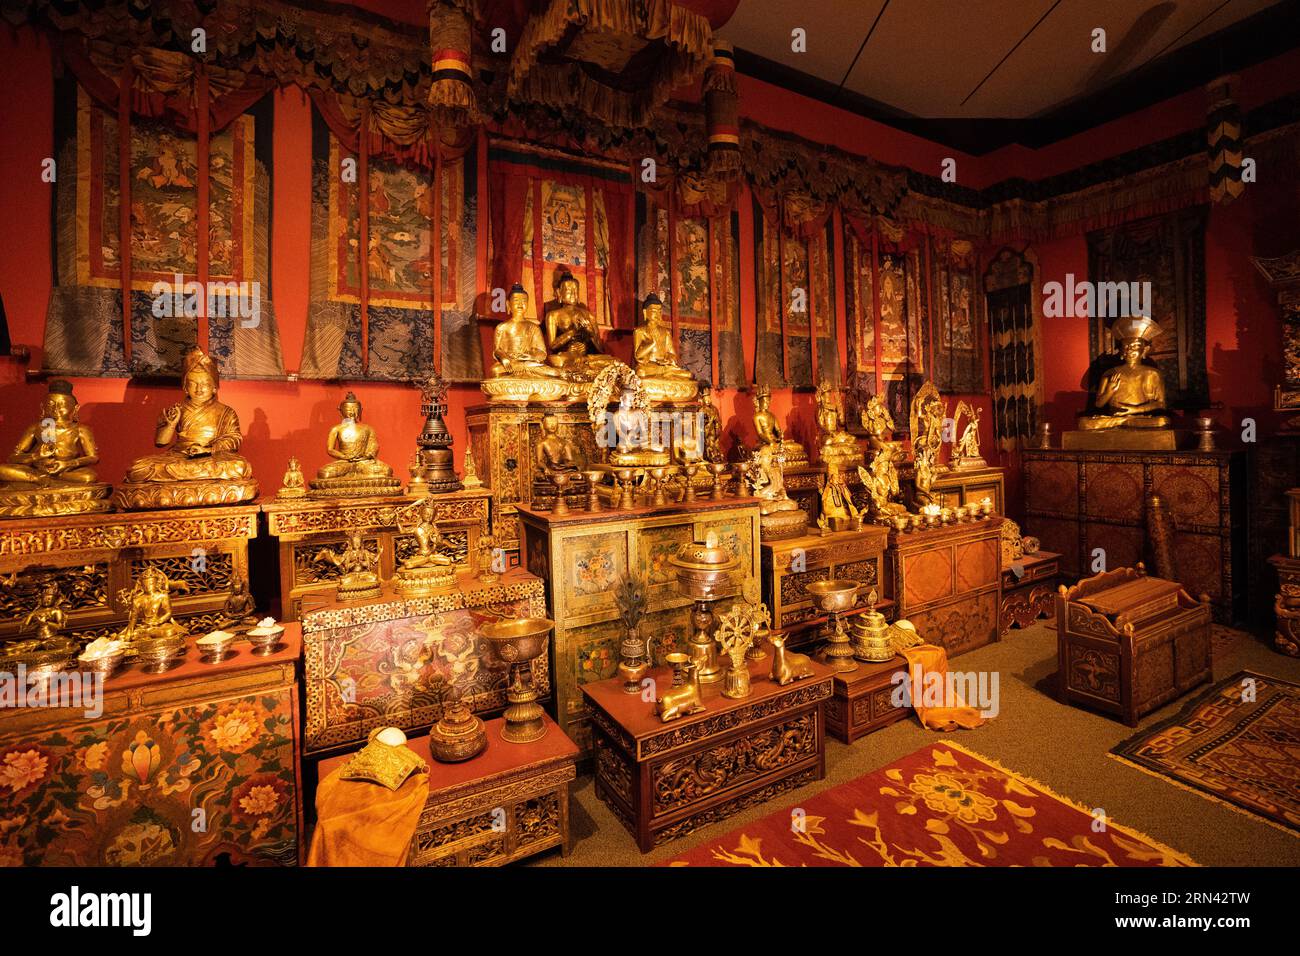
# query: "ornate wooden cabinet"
x,y
947,582
580,556
971,486
666,780
509,802
863,700
196,766
790,565
1029,589
1128,644
93,557
305,526
388,661
1079,501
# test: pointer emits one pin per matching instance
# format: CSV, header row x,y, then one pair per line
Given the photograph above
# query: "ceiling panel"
x,y
835,29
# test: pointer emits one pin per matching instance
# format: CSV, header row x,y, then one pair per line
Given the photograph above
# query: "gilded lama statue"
x,y
201,464
1129,397
573,335
656,357
51,470
356,469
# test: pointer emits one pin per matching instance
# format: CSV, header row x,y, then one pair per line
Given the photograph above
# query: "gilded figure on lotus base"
x,y
356,470
51,470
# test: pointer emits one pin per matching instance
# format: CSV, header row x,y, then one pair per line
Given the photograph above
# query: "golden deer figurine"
x,y
684,700
788,666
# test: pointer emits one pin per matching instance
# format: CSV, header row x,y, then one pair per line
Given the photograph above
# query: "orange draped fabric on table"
x,y
359,823
926,659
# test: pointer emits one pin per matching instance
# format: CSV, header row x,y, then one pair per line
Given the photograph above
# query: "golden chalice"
x,y
593,489
703,571
516,644
717,469
833,598
561,480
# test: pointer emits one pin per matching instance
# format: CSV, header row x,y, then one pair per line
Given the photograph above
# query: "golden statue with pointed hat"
x,y
1128,409
51,470
201,464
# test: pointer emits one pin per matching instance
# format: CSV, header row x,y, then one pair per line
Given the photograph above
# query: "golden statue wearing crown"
x,y
1128,409
51,469
356,470
201,464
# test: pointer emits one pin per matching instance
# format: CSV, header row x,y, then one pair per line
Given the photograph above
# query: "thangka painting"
x,y
1011,297
900,325
684,262
794,303
399,267
561,211
84,327
1169,253
958,353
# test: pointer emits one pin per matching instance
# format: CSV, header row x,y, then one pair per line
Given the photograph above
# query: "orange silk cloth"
x,y
929,659
359,823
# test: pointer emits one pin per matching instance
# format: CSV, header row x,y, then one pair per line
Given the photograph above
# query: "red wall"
x,y
291,418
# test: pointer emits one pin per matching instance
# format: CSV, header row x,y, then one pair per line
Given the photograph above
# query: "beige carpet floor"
x,y
1061,747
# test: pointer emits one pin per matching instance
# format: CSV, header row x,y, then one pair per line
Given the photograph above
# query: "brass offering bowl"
x,y
106,664
215,647
517,643
678,661
265,640
833,598
158,654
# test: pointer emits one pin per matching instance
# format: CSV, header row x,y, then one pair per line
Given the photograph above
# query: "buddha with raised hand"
x,y
201,464
572,333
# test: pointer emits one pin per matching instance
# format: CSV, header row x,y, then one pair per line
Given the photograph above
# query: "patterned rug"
x,y
940,806
1243,753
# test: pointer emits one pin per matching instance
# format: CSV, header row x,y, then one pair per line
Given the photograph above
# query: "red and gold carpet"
x,y
1241,752
940,806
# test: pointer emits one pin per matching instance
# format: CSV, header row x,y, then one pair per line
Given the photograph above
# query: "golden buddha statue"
x,y
769,430
555,453
50,471
201,464
149,614
520,372
356,470
780,516
1130,397
358,579
712,426
240,609
430,567
47,618
655,354
880,479
572,333
292,485
836,444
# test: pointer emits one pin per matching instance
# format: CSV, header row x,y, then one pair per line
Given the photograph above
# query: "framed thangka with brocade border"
x,y
85,326
794,298
886,301
1015,329
400,278
555,214
958,317
692,264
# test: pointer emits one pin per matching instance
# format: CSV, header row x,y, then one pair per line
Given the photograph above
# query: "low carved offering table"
x,y
509,802
863,700
1028,589
664,780
1128,644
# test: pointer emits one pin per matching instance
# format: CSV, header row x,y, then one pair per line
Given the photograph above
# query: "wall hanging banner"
x,y
553,214
886,301
704,299
180,289
1015,328
958,316
1168,252
795,292
405,210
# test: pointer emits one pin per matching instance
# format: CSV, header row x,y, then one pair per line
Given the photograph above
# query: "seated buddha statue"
x,y
655,355
836,444
51,469
356,470
520,371
149,603
555,454
1132,394
573,335
356,564
769,429
201,464
634,447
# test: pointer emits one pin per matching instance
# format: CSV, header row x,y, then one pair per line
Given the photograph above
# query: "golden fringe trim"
x,y
1258,817
1126,830
720,81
